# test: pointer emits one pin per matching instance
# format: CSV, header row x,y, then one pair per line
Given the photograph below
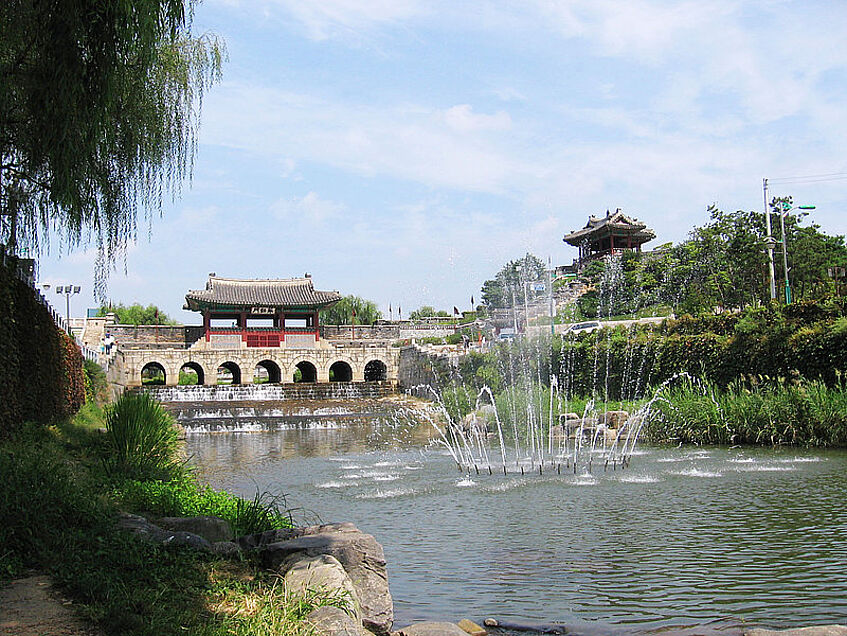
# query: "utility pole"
x,y
550,284
769,239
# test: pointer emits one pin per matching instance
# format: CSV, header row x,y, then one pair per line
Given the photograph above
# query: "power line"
x,y
813,178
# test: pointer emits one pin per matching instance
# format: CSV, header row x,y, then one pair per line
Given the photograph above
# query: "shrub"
x,y
143,439
186,497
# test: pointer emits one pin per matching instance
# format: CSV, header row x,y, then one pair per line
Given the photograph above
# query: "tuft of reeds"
x,y
753,410
142,439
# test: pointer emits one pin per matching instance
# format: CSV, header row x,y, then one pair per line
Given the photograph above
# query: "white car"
x,y
583,327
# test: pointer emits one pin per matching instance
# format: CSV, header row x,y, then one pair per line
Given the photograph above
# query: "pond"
x,y
691,540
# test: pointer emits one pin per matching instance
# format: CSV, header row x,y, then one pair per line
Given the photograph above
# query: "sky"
x,y
404,150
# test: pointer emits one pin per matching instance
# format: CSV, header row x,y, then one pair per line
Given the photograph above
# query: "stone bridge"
x,y
348,362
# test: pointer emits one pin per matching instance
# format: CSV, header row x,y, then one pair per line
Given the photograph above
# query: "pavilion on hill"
x,y
614,233
260,313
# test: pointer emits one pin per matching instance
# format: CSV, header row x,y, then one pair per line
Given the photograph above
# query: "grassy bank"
x,y
62,491
757,410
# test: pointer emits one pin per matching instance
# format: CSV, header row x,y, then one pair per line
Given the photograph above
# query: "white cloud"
x,y
310,207
461,118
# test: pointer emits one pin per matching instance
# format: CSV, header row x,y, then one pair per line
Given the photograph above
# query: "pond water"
x,y
687,540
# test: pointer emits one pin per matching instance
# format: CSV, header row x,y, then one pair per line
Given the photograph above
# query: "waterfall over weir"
x,y
271,392
262,407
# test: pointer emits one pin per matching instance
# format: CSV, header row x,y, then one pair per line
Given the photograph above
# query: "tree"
x,y
98,116
426,311
137,314
511,282
341,313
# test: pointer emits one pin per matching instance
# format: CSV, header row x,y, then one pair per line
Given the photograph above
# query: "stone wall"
x,y
155,336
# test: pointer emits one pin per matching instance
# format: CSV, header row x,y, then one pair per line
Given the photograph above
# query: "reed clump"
x,y
143,440
753,410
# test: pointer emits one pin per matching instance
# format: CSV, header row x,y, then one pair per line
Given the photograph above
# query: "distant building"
x,y
614,233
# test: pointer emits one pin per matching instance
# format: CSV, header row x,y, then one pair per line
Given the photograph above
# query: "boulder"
x,y
210,528
322,573
432,628
225,548
472,628
333,621
359,554
820,630
613,419
147,531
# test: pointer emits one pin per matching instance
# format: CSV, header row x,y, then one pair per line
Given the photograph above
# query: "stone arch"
x,y
308,371
230,369
267,368
341,371
197,368
153,373
376,371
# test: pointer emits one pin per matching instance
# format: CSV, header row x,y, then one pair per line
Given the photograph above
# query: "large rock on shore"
x,y
359,554
213,529
148,531
332,621
323,574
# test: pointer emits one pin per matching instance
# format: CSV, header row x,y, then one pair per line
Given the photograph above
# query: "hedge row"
x,y
40,366
806,340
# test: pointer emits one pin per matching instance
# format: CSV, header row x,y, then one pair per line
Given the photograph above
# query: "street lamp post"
x,y
786,209
769,240
68,291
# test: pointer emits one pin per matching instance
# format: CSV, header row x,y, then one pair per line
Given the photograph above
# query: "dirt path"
x,y
32,607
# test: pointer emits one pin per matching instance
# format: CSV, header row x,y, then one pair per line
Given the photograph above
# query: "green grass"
x,y
57,514
758,410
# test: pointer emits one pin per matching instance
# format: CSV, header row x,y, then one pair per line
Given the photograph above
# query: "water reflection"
x,y
707,538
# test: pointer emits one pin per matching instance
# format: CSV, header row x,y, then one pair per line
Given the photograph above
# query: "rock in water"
x,y
359,554
432,628
472,628
820,630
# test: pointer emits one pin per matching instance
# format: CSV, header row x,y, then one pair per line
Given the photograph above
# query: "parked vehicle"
x,y
583,327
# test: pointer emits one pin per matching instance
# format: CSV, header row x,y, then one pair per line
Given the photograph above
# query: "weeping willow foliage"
x,y
99,114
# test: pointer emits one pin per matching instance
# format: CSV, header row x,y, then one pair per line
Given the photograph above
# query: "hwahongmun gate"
x,y
267,325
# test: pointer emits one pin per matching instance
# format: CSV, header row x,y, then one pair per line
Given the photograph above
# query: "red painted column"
x,y
207,324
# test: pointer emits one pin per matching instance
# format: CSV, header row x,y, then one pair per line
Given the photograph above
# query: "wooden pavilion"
x,y
609,235
260,313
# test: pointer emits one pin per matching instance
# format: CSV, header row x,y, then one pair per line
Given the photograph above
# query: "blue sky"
x,y
403,150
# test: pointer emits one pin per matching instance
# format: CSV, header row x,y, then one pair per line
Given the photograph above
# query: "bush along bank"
x,y
40,366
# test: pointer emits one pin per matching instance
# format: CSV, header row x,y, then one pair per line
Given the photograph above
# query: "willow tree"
x,y
99,112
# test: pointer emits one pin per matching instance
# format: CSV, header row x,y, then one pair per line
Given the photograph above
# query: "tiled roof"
x,y
281,292
618,221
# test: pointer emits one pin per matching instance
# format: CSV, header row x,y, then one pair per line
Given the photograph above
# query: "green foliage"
x,y
96,386
99,115
341,313
185,497
511,282
427,311
143,440
137,314
754,410
41,376
189,378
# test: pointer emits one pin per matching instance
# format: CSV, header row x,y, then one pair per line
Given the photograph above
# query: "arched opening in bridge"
x,y
340,372
191,373
229,373
375,371
153,374
305,372
267,371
